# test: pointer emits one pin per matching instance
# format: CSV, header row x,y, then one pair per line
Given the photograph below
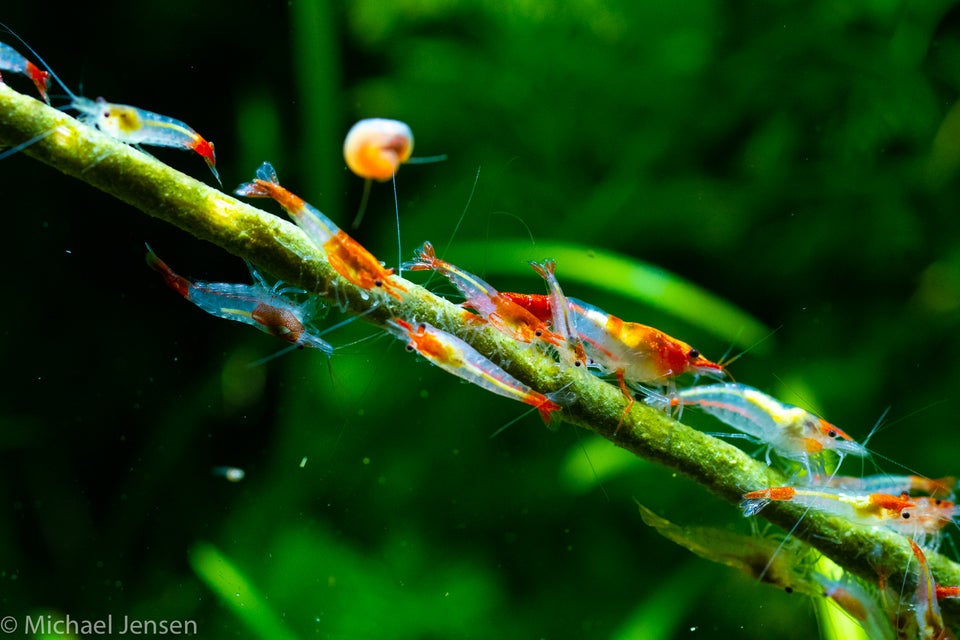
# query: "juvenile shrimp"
x,y
502,313
455,356
347,256
794,433
563,319
12,61
257,305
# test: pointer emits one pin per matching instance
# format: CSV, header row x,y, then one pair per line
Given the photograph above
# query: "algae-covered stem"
x,y
278,247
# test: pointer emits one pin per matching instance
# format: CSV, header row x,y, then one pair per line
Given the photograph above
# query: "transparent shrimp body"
x,y
502,313
862,604
347,256
139,126
257,305
926,606
894,484
455,356
793,433
920,518
563,320
12,61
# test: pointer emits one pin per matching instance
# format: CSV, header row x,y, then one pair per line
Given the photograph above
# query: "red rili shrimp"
x,y
257,305
634,352
12,61
640,354
139,126
502,313
347,256
917,517
883,483
794,433
455,356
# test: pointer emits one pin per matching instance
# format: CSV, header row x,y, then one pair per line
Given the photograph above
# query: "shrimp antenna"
x,y
23,145
396,208
725,362
512,422
456,227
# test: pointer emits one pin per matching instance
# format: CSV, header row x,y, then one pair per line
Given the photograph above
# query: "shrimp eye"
x,y
378,283
538,333
410,346
694,354
937,502
905,515
832,433
788,589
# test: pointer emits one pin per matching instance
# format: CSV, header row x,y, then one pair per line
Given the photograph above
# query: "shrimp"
x,y
921,518
633,352
762,557
926,607
858,602
347,256
934,487
506,316
793,433
139,126
11,60
455,356
127,124
563,319
263,307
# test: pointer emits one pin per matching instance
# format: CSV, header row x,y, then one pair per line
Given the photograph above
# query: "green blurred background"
x,y
799,160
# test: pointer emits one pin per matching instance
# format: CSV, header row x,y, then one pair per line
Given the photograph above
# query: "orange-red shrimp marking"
x,y
455,356
506,316
12,61
347,256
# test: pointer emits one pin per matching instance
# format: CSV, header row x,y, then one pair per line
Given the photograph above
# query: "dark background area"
x,y
799,160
